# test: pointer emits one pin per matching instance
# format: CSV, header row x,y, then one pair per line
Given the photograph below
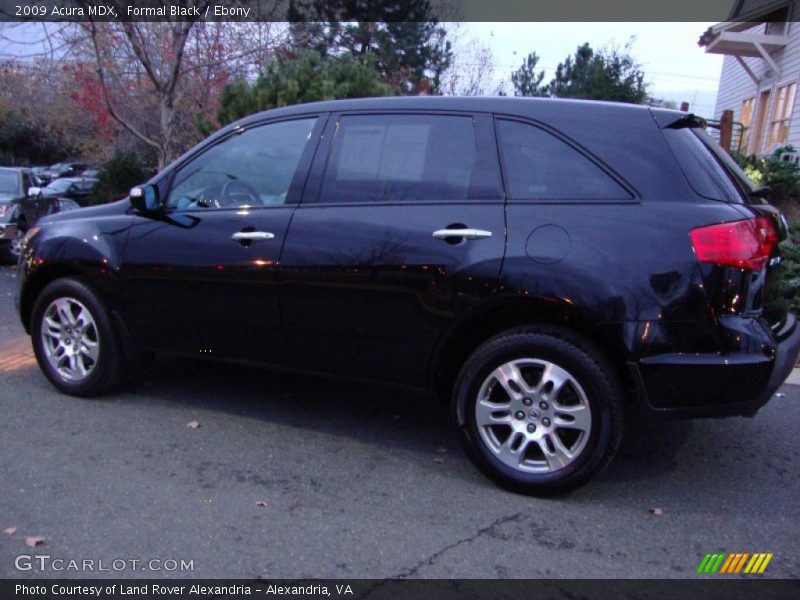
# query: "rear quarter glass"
x,y
710,171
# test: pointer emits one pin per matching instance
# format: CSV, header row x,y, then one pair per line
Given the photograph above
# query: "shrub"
x,y
122,171
783,291
782,177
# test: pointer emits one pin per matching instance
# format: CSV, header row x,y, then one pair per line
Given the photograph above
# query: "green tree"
x,y
403,41
527,82
122,171
306,78
610,74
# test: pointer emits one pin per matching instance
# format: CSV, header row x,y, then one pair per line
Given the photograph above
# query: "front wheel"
x,y
75,344
538,411
13,248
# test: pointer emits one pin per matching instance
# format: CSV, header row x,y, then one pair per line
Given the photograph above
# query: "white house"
x,y
760,72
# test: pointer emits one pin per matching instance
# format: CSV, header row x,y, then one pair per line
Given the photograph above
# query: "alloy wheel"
x,y
70,339
533,415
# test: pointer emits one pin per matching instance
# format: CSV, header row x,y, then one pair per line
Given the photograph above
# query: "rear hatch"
x,y
752,252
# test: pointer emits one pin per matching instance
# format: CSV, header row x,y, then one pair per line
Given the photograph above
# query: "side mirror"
x,y
145,198
34,191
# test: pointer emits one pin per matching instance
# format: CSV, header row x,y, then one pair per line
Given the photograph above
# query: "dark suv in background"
x,y
555,270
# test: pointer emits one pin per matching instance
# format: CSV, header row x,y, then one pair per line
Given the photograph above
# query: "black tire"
x,y
6,256
596,385
106,373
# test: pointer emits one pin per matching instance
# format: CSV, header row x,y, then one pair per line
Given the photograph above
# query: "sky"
x,y
675,66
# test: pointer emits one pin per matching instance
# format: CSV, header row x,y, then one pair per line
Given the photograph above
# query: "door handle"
x,y
467,234
252,236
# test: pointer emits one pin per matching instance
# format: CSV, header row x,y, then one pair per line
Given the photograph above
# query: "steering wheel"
x,y
225,195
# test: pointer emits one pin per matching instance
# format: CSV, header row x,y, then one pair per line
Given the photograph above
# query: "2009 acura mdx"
x,y
546,266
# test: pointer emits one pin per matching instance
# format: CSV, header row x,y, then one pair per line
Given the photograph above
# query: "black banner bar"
x,y
415,589
379,10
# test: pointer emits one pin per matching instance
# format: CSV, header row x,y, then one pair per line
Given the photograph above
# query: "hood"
x,y
120,207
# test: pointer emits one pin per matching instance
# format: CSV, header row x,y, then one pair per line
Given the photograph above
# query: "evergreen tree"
x,y
525,79
306,78
403,41
611,74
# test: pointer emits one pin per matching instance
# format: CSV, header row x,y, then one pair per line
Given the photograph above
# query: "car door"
x,y
401,231
31,205
202,276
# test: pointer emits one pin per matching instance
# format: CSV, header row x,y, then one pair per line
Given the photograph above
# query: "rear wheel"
x,y
538,411
75,343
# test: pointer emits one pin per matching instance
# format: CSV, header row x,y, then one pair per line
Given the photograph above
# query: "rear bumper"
x,y
683,386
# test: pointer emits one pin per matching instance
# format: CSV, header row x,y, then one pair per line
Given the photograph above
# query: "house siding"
x,y
736,86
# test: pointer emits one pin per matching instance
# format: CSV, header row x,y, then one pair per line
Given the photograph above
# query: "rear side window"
x,y
710,171
540,166
403,158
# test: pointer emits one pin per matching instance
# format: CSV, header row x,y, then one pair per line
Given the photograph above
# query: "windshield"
x,y
9,182
59,185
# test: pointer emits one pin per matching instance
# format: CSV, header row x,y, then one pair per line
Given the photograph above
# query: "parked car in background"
x,y
558,271
37,174
21,206
17,208
76,188
91,173
63,169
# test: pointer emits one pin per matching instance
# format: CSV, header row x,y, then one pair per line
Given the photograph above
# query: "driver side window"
x,y
253,168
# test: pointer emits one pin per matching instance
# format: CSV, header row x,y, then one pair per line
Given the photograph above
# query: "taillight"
x,y
4,209
743,244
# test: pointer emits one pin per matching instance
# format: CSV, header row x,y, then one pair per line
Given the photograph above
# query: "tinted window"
x,y
253,168
396,158
9,182
708,168
540,166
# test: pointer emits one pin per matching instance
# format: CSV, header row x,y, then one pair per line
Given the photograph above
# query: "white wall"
x,y
735,84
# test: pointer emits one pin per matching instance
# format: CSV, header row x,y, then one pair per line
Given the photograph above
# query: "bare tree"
x,y
472,69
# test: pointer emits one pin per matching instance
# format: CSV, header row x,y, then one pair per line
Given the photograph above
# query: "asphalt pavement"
x,y
295,477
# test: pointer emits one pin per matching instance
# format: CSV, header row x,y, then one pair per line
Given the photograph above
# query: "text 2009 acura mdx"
x,y
545,265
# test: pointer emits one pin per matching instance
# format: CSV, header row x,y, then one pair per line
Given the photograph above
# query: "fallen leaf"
x,y
261,504
34,540
657,511
395,417
193,424
10,530
441,450
438,459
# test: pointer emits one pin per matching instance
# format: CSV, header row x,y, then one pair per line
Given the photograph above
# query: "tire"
x,y
525,432
76,324
11,249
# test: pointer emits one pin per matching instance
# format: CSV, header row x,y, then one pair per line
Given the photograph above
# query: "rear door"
x,y
400,232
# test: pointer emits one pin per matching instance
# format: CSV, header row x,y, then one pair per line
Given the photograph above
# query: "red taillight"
x,y
743,244
4,209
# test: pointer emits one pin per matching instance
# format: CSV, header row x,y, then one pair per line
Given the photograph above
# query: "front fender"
x,y
91,249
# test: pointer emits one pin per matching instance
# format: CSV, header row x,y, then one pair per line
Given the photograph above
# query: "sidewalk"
x,y
794,377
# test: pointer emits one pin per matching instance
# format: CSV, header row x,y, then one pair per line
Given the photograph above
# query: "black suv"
x,y
551,268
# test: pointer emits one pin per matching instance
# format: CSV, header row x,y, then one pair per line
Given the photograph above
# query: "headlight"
x,y
30,233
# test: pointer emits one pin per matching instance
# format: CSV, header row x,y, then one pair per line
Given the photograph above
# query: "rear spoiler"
x,y
672,119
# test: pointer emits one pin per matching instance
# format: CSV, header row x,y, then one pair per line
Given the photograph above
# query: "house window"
x,y
781,113
746,119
